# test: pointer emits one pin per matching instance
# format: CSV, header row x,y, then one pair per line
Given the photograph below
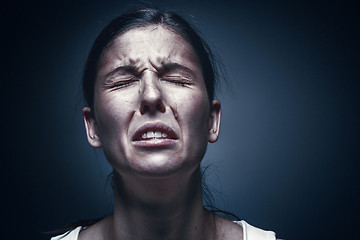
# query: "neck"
x,y
168,208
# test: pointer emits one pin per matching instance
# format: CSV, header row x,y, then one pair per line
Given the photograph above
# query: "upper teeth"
x,y
152,134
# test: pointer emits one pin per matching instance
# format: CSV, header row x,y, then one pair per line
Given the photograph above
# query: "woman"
x,y
149,83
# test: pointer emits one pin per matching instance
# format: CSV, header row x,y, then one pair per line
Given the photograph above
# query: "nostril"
x,y
151,99
145,109
160,107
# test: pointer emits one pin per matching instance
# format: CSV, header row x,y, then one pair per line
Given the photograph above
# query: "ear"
x,y
91,128
214,121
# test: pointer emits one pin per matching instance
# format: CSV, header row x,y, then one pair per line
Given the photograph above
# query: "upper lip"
x,y
158,126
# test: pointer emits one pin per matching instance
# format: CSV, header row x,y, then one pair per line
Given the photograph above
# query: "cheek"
x,y
195,129
113,117
112,114
196,115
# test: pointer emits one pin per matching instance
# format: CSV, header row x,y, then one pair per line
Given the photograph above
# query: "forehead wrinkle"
x,y
159,61
125,60
121,58
128,61
124,52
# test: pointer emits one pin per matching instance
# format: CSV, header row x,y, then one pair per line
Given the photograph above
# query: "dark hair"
x,y
145,17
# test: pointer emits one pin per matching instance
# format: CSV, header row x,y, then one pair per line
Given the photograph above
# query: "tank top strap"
x,y
69,235
254,233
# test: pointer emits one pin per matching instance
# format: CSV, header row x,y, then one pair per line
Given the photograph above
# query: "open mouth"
x,y
154,131
152,134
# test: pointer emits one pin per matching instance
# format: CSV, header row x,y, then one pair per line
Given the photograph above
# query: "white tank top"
x,y
254,233
249,233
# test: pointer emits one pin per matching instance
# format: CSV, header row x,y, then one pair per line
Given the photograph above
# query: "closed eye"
x,y
181,81
120,84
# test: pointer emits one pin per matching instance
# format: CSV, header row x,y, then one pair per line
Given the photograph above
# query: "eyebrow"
x,y
163,69
172,66
127,68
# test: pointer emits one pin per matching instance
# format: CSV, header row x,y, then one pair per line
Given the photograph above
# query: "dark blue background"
x,y
288,155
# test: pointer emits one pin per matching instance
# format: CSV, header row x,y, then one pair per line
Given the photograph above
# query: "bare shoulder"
x,y
90,233
93,232
228,230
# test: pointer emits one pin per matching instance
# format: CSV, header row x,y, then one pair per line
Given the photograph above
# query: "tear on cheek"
x,y
175,107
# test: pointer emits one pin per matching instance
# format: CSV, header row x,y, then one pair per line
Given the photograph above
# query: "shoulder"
x,y
228,230
241,230
88,232
80,233
69,235
253,233
99,230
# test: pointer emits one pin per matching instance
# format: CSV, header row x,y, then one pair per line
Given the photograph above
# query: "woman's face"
x,y
151,111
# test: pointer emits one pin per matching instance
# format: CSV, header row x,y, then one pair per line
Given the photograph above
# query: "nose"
x,y
151,96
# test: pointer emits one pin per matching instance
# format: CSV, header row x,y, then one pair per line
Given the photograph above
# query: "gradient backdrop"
x,y
288,155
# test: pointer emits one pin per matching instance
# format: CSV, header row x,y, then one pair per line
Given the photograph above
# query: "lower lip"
x,y
155,143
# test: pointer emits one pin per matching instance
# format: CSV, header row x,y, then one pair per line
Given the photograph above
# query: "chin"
x,y
159,166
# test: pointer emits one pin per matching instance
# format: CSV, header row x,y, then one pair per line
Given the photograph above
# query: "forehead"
x,y
153,44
